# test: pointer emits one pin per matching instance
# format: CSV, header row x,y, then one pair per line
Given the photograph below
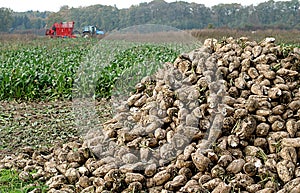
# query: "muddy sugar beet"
x,y
221,118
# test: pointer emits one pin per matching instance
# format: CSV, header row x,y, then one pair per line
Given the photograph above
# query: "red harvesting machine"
x,y
62,30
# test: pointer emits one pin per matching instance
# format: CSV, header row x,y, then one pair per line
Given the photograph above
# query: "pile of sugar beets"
x,y
222,118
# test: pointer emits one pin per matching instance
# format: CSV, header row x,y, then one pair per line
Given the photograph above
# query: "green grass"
x,y
10,183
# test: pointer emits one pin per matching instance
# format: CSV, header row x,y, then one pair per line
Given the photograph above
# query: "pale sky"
x,y
54,5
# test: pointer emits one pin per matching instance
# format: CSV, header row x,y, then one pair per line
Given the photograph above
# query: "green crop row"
x,y
48,69
39,71
121,69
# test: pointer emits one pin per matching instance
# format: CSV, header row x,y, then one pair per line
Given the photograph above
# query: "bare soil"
x,y
40,124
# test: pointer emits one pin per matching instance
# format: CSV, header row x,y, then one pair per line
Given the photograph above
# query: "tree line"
x,y
11,21
179,14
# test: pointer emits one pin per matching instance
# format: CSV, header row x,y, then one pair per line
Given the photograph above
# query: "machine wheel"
x,y
86,35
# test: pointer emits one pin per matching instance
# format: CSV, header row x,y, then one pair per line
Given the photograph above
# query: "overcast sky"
x,y
54,5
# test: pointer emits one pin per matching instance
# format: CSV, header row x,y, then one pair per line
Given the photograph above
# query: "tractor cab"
x,y
91,30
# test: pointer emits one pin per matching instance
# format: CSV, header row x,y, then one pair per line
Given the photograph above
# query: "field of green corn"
x,y
39,78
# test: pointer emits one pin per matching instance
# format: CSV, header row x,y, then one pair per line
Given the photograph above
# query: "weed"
x,y
261,154
10,183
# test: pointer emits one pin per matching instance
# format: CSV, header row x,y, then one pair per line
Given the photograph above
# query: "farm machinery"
x,y
66,30
62,30
91,30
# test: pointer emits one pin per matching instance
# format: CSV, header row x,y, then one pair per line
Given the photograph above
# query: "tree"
x,y
6,19
228,15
